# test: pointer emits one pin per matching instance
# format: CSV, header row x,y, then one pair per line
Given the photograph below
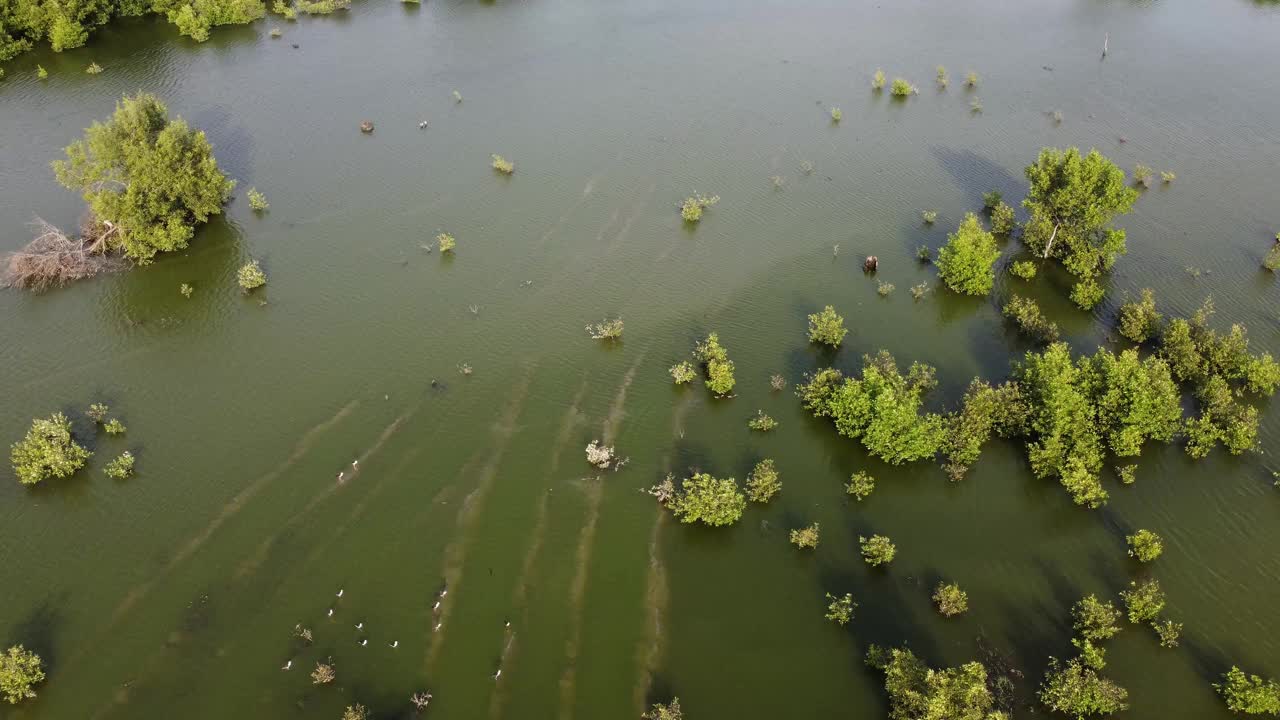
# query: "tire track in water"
x,y
519,598
259,556
455,553
237,503
594,490
657,594
177,638
564,217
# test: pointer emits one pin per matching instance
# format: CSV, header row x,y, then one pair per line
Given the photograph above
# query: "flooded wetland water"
x,y
177,591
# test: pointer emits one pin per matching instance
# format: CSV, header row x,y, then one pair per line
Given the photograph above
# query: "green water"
x,y
175,593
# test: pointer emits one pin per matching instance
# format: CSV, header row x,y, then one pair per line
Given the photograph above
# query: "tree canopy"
x,y
20,669
1072,200
48,451
709,500
1249,694
881,409
918,692
965,262
1077,690
148,178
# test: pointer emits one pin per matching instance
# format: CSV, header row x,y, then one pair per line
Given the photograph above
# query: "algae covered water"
x,y
178,591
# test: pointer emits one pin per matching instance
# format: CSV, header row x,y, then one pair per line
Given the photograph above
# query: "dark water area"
x,y
176,592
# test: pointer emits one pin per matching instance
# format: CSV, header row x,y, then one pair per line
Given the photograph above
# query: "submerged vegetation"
x,y
1249,694
877,549
827,327
762,422
919,692
763,482
860,485
840,609
806,537
250,276
950,599
692,207
1026,313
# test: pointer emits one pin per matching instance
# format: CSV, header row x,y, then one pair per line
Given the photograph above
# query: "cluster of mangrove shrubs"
x,y
49,450
919,691
66,25
20,671
715,359
1071,412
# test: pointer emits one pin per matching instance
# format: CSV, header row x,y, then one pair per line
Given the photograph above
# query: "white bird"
x,y
437,627
359,626
355,463
437,607
287,665
497,674
395,644
340,591
330,612
444,592
340,474
364,642
508,623
422,124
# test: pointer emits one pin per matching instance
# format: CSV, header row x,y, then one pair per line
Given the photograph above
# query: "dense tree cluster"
x,y
1249,694
67,24
1076,689
1072,200
919,692
882,409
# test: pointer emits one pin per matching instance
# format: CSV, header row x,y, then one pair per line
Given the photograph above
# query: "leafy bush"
x,y
97,412
186,290
1143,601
20,669
1095,619
942,77
41,73
720,378
195,18
1002,220
1144,545
860,485
836,115
1026,313
1139,320
965,262
151,178
606,329
929,216
877,549
840,609
709,500
877,80
692,207
827,327
806,537
121,467
93,68
1272,259
924,254
323,674
1077,690
683,372
1127,473
971,79
762,422
885,289
1142,175
1087,293
763,482
48,451
1168,631
918,291
950,599
502,165
881,409
1248,694
257,200
357,711
1167,176
250,276
777,382
670,711
321,7
901,88
991,199
1024,269
446,242
113,426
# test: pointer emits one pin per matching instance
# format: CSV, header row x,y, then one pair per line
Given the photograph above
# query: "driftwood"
x,y
871,264
366,126
52,258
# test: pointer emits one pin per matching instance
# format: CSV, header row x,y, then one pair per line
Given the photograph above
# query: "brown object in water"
x,y
366,126
871,264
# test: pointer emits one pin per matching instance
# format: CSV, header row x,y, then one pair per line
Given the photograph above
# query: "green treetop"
x,y
48,451
965,263
148,179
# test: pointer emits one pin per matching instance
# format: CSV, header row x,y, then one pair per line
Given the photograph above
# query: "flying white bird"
x,y
497,674
364,642
340,591
330,612
287,665
395,644
359,626
437,627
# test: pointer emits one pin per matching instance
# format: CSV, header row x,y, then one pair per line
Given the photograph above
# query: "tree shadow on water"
x,y
975,175
37,630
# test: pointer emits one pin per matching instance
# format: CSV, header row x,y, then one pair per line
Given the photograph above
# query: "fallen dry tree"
x,y
52,258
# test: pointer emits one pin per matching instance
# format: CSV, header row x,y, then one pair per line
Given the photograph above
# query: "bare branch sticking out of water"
x,y
52,258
